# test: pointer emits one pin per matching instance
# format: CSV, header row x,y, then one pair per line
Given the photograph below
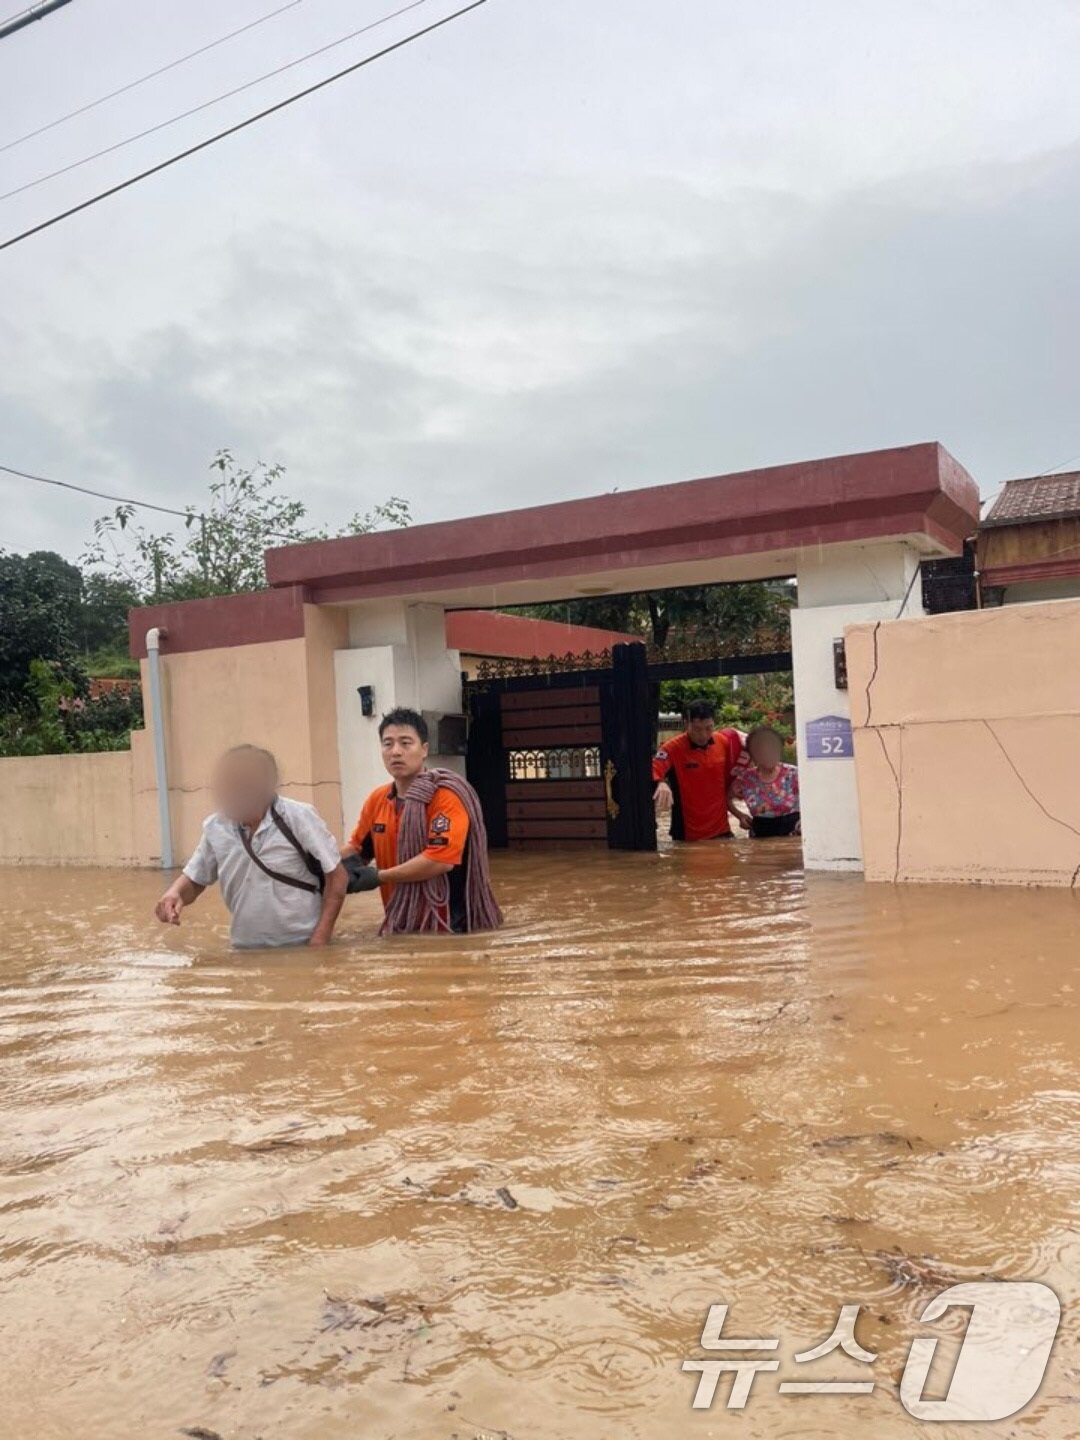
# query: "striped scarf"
x,y
424,907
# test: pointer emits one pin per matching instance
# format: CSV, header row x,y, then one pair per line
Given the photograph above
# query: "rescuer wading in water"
x,y
425,834
692,773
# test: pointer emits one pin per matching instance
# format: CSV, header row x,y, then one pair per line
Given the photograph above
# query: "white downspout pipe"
x,y
153,656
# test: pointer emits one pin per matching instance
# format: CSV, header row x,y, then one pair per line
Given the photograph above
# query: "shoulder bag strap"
x,y
309,860
245,840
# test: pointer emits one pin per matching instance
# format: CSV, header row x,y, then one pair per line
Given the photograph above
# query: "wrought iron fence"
x,y
512,666
688,645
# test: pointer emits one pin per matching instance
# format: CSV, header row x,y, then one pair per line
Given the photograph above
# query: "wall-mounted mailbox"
x,y
448,733
839,661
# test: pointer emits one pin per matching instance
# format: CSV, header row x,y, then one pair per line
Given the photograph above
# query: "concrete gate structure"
x,y
962,725
367,613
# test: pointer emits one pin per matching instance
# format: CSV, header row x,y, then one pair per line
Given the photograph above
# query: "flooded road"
x,y
468,1187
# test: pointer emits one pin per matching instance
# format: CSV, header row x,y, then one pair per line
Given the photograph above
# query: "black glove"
x,y
361,876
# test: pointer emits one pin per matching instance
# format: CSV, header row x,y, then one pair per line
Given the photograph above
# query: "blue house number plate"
x,y
829,738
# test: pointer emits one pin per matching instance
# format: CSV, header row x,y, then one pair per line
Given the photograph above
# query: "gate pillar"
x,y
626,751
838,586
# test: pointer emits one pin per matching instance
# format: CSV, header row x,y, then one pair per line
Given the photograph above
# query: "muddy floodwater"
x,y
485,1187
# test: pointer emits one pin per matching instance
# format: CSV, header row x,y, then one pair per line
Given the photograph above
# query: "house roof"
x,y
1042,497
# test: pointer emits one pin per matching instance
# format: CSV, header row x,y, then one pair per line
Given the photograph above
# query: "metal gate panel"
x,y
554,756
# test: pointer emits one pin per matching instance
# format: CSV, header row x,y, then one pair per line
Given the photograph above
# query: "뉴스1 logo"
x,y
1000,1366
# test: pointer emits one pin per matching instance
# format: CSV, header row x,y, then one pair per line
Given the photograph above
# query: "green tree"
x,y
59,625
102,620
40,596
735,612
676,695
757,700
53,718
624,613
50,611
35,726
220,551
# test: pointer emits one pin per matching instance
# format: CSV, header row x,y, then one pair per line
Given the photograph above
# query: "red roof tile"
x,y
1043,497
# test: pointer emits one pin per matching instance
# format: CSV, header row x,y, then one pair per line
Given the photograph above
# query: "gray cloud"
x,y
538,314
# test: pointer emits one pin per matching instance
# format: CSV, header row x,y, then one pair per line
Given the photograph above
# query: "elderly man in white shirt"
x,y
278,865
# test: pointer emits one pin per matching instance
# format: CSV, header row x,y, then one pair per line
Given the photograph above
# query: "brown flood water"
x,y
260,1194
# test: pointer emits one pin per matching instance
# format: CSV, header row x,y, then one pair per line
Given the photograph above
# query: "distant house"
x,y
103,685
1029,542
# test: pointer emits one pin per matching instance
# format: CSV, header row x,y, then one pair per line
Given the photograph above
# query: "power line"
x,y
17,16
206,104
288,538
241,125
151,75
99,494
26,17
1061,465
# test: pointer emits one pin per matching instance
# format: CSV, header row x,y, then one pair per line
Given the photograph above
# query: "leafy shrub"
x,y
57,717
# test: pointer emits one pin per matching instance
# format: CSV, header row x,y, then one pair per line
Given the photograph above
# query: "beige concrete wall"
x,y
68,809
102,809
279,694
216,698
966,732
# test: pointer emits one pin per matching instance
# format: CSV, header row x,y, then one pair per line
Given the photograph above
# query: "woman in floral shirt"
x,y
768,787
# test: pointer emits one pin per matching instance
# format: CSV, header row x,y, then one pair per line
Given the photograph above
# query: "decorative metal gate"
x,y
562,757
560,749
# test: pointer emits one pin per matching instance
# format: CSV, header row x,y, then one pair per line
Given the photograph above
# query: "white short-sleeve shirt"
x,y
264,911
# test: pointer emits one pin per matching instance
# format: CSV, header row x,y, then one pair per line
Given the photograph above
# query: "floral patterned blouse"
x,y
778,796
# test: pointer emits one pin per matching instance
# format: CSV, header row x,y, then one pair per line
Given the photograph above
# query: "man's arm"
x,y
414,871
315,836
333,898
180,893
662,796
197,874
355,845
359,842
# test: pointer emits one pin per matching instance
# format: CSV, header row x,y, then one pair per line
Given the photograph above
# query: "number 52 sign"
x,y
829,738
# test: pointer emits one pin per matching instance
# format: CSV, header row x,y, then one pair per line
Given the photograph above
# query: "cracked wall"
x,y
967,733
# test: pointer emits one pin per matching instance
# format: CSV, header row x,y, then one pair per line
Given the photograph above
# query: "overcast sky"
x,y
556,247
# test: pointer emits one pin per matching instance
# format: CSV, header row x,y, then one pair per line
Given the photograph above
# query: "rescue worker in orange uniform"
x,y
692,773
451,846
